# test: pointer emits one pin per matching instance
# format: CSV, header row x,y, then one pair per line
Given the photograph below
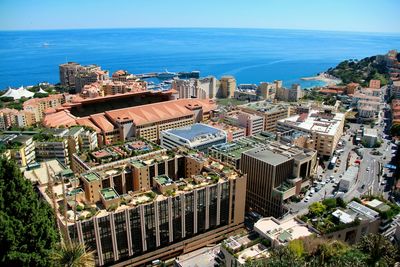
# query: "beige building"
x,y
38,105
68,71
21,148
228,86
19,118
324,128
269,111
172,217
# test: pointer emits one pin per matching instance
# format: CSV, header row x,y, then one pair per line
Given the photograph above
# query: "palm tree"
x,y
73,254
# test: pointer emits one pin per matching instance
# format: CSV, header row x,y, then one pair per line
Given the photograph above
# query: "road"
x,y
372,176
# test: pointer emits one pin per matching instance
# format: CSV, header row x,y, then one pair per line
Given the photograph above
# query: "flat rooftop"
x,y
204,257
282,231
316,121
90,177
109,193
194,131
163,180
266,106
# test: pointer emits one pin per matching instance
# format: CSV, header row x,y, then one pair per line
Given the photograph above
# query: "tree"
x,y
395,129
379,250
27,228
72,254
317,208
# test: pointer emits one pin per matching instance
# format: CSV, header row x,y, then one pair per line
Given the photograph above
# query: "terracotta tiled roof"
x,y
87,122
151,113
60,118
102,122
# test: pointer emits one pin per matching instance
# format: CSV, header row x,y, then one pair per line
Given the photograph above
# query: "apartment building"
x,y
253,124
233,132
269,111
21,148
89,74
292,94
275,172
38,105
68,71
169,215
197,136
228,86
202,88
324,127
376,84
19,118
53,148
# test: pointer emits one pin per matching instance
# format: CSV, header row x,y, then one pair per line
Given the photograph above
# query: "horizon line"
x,y
196,27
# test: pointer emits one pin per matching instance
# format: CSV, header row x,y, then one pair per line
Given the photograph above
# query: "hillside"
x,y
361,71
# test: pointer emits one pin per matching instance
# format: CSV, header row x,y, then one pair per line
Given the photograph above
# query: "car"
x,y
306,199
367,169
310,194
340,175
322,183
383,182
363,186
331,177
333,181
312,191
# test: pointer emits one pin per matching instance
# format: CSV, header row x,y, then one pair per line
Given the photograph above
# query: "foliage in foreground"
x,y
27,228
72,254
372,250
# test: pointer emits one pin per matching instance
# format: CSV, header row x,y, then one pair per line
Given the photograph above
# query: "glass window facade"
x,y
224,211
89,237
177,218
136,231
121,234
105,239
189,214
164,223
150,227
213,207
201,211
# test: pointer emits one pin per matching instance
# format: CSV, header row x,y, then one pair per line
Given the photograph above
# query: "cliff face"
x,y
361,71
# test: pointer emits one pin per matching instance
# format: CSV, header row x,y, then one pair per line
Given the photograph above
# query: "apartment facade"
x,y
228,86
275,172
269,111
324,128
12,117
38,105
154,224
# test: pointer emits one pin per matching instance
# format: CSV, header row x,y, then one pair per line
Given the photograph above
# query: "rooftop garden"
x,y
387,210
321,218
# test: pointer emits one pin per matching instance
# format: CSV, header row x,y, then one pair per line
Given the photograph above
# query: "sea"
x,y
251,55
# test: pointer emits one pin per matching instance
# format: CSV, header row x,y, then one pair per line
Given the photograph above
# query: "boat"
x,y
166,75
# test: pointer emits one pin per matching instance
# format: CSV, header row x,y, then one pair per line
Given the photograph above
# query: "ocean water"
x,y
251,55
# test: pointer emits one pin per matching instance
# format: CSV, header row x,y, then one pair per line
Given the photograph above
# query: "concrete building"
x,y
275,172
370,137
197,136
281,232
208,86
253,124
89,74
21,148
292,94
376,84
53,148
139,226
271,112
38,106
267,90
19,118
68,71
395,89
228,86
186,88
324,128
233,133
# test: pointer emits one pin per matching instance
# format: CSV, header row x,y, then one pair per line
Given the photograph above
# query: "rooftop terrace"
x,y
109,193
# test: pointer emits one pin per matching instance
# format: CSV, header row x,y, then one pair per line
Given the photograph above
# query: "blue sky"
x,y
335,15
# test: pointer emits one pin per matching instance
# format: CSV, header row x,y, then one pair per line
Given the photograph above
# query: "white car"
x,y
306,199
331,177
322,183
367,169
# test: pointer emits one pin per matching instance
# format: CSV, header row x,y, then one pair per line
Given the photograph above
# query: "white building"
x,y
370,137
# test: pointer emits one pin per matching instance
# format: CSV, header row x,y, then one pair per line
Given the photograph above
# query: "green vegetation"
x,y
320,216
27,230
73,255
369,68
395,129
315,95
372,250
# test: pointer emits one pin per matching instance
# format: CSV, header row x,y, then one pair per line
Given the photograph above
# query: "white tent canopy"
x,y
42,91
18,93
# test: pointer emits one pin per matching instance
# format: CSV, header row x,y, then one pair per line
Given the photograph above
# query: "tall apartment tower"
x,y
68,71
228,86
275,172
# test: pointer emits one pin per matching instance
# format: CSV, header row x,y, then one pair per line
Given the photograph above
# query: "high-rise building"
x,y
275,172
68,71
89,74
154,206
228,86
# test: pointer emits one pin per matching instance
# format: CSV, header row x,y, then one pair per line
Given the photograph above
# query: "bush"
x,y
330,203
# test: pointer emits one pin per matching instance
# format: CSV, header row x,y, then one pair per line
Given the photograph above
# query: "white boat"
x,y
166,75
